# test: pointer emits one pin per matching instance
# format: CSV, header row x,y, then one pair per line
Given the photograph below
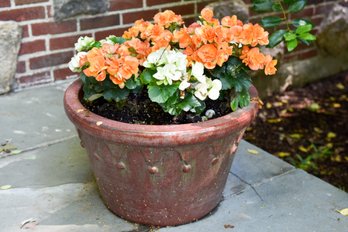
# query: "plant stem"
x,y
284,15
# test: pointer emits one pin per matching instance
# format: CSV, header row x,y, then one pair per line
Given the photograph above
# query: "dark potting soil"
x,y
138,109
308,127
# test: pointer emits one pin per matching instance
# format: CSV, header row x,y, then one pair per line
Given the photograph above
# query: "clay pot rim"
x,y
111,128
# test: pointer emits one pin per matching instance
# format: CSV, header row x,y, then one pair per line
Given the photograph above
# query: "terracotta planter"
x,y
159,175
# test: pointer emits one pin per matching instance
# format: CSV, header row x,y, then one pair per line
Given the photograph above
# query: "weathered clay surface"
x,y
159,175
64,9
333,36
236,7
10,36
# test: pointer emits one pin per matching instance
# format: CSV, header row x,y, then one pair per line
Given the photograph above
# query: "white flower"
x,y
198,72
168,74
214,91
170,65
84,43
176,58
74,64
184,85
155,58
201,91
209,89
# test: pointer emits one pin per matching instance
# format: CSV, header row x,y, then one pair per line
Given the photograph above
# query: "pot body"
x,y
159,175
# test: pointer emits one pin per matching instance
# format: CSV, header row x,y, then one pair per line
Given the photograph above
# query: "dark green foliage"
x,y
298,30
234,77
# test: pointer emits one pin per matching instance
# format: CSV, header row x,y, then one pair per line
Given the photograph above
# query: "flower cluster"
x,y
181,66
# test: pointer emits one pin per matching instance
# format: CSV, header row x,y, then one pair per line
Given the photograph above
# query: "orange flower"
x,y
253,58
162,41
113,66
109,48
270,68
139,49
228,21
207,55
97,65
182,37
128,66
224,52
166,18
140,26
253,35
207,14
206,33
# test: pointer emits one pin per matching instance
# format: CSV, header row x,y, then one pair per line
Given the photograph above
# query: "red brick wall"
x,y
47,46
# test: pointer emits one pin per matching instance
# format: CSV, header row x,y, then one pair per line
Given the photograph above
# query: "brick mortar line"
x,y
43,53
25,6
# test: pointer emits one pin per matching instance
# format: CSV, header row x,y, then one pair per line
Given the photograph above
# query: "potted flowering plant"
x,y
161,111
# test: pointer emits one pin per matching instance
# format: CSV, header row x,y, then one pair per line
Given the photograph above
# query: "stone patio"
x,y
51,182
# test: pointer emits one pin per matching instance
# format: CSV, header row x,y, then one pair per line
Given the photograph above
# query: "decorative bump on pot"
x,y
214,161
120,165
152,170
186,168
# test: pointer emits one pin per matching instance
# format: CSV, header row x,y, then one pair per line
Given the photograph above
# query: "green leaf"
x,y
234,104
116,94
117,40
271,21
277,7
290,36
300,22
133,83
95,97
265,5
146,77
308,37
290,1
297,6
191,103
276,38
161,94
304,29
291,45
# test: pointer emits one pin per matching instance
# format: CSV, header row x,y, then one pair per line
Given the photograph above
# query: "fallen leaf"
x,y
295,136
283,154
340,86
16,152
99,123
330,135
278,104
318,130
314,107
254,152
336,105
274,120
336,158
5,187
304,149
228,226
7,147
268,105
344,212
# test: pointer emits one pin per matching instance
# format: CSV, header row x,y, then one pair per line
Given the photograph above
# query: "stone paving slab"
x,y
34,117
54,185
